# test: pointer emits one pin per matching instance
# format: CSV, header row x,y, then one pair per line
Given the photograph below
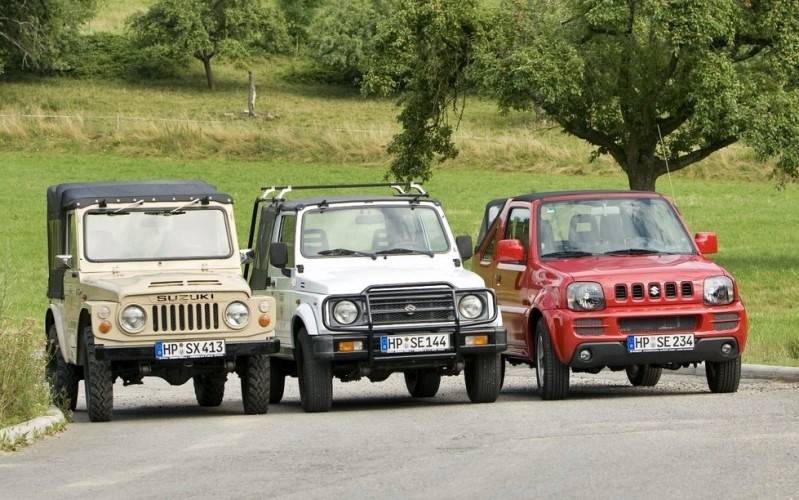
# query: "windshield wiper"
x,y
346,251
633,251
391,251
567,254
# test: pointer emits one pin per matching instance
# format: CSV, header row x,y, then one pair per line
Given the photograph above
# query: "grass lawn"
x,y
756,224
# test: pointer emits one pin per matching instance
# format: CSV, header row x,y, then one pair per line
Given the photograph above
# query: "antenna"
x,y
666,159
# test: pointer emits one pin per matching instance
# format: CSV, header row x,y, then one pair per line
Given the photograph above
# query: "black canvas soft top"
x,y
62,197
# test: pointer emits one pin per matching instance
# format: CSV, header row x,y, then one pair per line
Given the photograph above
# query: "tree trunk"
x,y
251,101
642,176
209,74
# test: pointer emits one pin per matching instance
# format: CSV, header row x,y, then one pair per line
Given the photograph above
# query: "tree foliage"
x,y
299,14
207,28
37,33
657,85
341,36
424,50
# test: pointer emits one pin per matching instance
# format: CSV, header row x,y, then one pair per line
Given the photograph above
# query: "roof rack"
x,y
399,187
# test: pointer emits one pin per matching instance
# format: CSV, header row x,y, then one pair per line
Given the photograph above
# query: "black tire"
x,y
98,382
552,375
255,384
62,377
277,381
209,388
644,375
723,376
483,376
502,375
315,377
422,383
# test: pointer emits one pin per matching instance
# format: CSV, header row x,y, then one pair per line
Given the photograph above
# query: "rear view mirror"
x,y
707,242
464,244
62,262
247,256
510,251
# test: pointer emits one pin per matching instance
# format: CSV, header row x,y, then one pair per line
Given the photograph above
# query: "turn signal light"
x,y
350,346
104,327
477,340
264,320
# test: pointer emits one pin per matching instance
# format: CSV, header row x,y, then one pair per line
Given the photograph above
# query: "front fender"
x,y
304,315
68,350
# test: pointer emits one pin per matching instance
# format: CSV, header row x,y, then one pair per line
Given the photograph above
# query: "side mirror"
x,y
707,242
62,262
464,244
510,251
247,256
278,254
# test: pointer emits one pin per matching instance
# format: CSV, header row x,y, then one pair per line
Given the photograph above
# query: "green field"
x,y
756,224
60,129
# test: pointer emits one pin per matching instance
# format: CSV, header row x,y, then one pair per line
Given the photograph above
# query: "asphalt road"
x,y
608,440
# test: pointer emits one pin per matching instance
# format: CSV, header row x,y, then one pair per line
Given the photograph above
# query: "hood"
x,y
350,280
637,267
116,288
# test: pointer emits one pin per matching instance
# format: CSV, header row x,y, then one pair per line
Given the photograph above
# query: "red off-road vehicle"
x,y
593,279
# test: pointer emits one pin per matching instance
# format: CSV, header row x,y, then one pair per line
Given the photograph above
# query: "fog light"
x,y
585,355
472,340
104,327
350,346
726,348
264,321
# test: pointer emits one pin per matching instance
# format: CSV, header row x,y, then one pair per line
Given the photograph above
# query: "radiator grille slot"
x,y
185,317
661,324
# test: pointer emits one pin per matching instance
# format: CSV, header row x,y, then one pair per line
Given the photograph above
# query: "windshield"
x,y
159,234
626,226
371,231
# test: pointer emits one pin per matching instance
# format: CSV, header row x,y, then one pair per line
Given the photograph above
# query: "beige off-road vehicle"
x,y
145,280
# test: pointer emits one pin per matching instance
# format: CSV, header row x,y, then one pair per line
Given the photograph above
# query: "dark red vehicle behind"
x,y
593,279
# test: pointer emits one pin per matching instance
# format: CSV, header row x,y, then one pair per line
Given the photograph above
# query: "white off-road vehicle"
x,y
145,280
371,285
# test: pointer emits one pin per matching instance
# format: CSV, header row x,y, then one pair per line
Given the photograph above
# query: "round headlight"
x,y
132,319
345,312
470,306
718,290
237,315
585,296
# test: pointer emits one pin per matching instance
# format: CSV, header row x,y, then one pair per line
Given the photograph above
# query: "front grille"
x,y
654,291
185,317
661,324
411,306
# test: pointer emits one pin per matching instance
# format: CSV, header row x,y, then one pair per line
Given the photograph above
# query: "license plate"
x,y
189,349
649,343
413,343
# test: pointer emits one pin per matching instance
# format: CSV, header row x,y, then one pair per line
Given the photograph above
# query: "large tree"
x,y
207,28
656,84
38,32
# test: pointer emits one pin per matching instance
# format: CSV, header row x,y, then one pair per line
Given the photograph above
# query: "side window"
x,y
518,226
288,232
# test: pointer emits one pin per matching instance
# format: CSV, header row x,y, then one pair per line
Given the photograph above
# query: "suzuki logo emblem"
x,y
654,291
410,309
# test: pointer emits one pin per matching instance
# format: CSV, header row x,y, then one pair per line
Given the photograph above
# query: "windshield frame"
x,y
588,227
193,239
372,230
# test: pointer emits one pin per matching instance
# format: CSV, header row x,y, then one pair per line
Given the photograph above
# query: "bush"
x,y
110,55
24,393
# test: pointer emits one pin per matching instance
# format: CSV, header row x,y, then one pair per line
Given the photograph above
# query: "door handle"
x,y
497,279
